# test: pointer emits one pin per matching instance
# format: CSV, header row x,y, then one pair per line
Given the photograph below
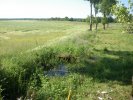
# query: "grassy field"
x,y
18,36
100,63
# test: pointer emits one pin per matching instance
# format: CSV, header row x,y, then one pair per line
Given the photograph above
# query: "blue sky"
x,y
44,8
125,2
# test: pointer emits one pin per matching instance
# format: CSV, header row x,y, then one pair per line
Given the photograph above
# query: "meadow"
x,y
17,36
99,63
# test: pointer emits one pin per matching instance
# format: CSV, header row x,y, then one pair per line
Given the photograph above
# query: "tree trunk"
x,y
91,17
104,27
96,26
96,17
107,25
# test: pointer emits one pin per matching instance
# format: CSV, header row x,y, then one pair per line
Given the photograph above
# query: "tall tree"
x,y
96,7
105,8
91,3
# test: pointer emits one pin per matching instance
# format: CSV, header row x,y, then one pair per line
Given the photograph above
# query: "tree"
x,y
88,19
121,13
111,19
123,16
131,8
105,8
96,7
130,5
66,18
91,3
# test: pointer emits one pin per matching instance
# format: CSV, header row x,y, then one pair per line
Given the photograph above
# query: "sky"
x,y
44,8
125,2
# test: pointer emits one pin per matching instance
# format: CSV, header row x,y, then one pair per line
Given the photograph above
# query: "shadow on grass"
x,y
108,69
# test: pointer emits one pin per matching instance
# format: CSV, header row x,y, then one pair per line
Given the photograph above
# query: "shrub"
x,y
0,93
129,28
104,20
56,88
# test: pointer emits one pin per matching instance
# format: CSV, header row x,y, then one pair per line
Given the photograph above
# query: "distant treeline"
x,y
69,19
48,19
110,19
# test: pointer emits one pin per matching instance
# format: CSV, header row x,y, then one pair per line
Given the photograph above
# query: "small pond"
x,y
61,70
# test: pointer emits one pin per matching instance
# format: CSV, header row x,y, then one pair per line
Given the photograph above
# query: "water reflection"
x,y
60,71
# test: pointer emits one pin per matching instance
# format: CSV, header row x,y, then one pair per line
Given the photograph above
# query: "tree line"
x,y
103,6
109,8
110,19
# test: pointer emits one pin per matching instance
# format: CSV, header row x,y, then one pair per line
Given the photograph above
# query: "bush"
x,y
56,88
104,20
21,73
0,93
129,28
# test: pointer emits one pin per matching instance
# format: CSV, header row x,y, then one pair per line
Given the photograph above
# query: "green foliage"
x,y
58,87
122,14
104,20
130,5
98,20
1,92
129,28
106,5
95,20
111,20
105,8
16,77
66,18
